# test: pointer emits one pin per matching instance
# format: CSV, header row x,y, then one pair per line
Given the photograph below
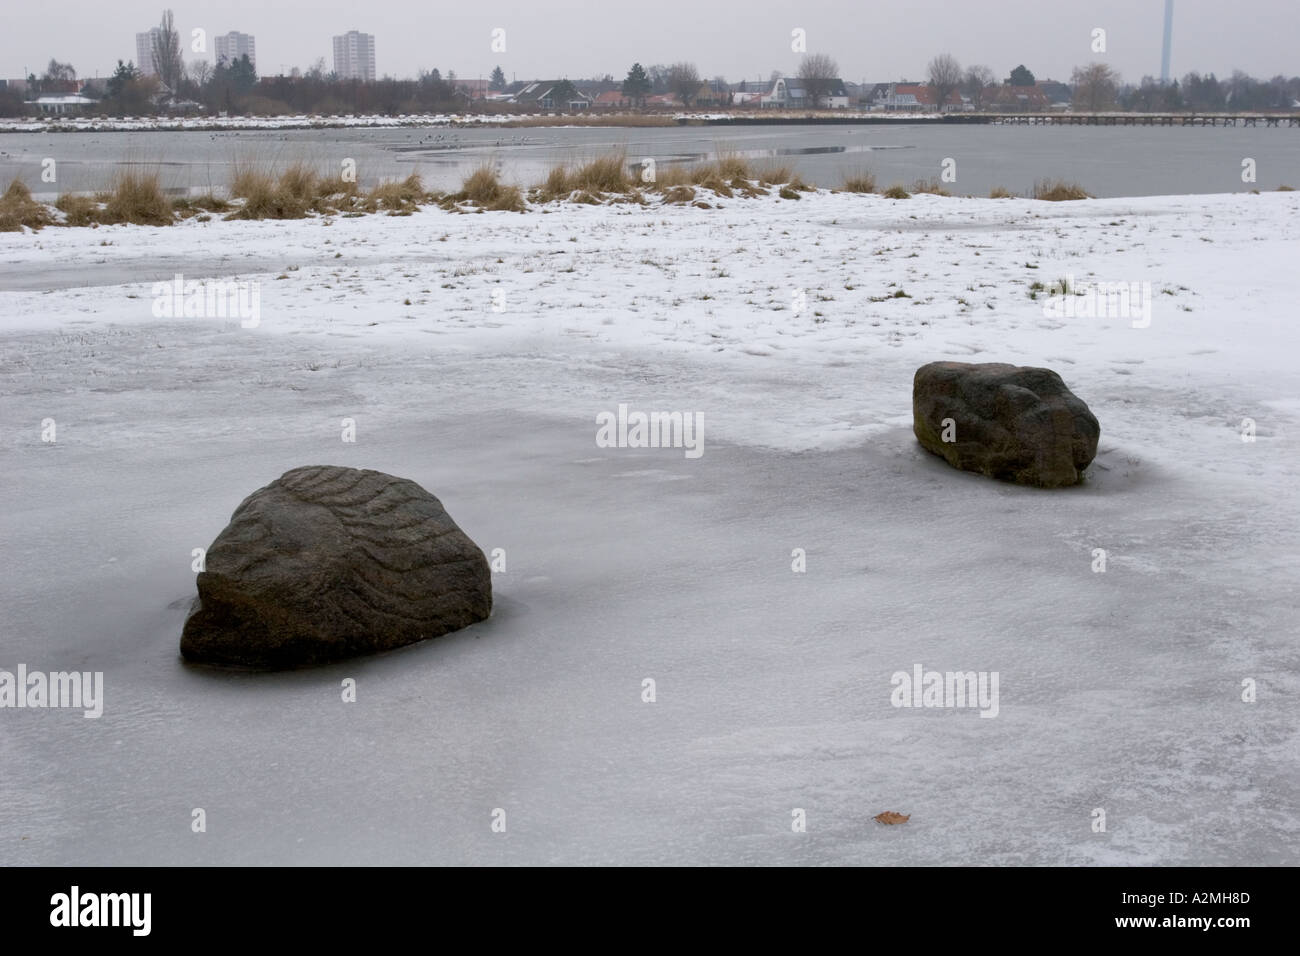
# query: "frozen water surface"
x,y
1119,690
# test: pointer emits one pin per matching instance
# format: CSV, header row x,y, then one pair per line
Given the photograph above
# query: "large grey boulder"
x,y
326,563
1005,421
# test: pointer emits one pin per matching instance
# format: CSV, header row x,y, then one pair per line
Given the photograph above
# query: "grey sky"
x,y
741,40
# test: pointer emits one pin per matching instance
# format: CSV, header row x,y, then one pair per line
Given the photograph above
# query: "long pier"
x,y
1136,119
846,118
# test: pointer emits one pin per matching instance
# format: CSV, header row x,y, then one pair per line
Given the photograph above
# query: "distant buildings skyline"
x,y
880,41
354,52
233,45
354,56
144,52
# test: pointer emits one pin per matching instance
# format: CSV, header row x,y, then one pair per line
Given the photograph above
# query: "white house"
x,y
62,104
788,92
836,98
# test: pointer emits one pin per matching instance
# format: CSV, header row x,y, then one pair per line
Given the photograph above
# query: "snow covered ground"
x,y
474,352
139,123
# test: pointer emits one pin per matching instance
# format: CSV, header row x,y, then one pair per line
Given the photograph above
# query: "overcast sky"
x,y
746,39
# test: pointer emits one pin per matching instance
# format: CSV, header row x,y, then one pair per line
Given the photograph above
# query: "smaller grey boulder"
x,y
326,563
1011,422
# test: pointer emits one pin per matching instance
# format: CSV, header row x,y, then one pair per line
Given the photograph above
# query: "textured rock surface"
x,y
1012,422
327,563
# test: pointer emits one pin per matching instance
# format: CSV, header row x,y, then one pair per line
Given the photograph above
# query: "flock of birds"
x,y
452,141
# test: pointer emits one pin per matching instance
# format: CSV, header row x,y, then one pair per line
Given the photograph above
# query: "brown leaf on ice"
x,y
889,816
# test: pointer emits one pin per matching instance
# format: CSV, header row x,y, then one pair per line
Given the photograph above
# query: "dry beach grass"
x,y
1058,190
296,191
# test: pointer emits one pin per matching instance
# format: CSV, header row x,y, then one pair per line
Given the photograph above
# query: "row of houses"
x,y
905,97
64,98
920,98
783,93
76,97
563,95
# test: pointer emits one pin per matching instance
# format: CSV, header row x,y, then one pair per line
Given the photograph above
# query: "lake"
x,y
1107,161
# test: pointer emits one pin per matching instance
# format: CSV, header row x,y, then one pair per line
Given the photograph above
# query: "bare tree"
x,y
684,81
1095,86
58,78
945,78
977,80
818,72
658,76
167,53
60,72
200,71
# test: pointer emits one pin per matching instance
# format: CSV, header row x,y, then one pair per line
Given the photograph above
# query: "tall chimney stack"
x,y
1169,40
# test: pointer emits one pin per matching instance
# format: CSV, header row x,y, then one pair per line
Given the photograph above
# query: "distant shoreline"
x,y
469,120
89,124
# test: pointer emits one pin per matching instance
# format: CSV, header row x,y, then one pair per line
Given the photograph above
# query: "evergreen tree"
x,y
637,84
242,75
1021,76
124,74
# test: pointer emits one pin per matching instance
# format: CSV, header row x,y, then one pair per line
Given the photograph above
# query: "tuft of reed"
x,y
19,209
731,166
299,182
137,198
556,185
1058,190
726,176
78,210
673,175
896,191
294,194
250,181
929,187
509,199
482,185
484,189
862,181
398,197
775,174
210,202
329,187
604,174
707,176
334,194
1000,192
261,197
